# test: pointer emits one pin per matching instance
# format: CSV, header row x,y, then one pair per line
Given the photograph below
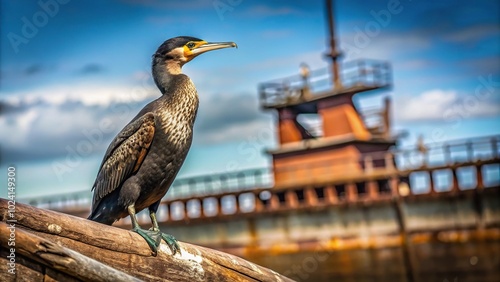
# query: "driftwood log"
x,y
51,246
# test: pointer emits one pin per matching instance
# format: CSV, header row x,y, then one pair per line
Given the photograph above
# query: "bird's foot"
x,y
152,237
170,240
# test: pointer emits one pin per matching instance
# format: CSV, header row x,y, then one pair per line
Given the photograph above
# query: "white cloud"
x,y
42,123
24,121
88,95
442,105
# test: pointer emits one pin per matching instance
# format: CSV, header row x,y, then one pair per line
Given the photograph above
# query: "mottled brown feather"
x,y
124,156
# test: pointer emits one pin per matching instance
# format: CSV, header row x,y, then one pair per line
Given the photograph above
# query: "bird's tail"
x,y
99,216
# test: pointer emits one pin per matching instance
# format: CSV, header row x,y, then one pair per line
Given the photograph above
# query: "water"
x,y
444,262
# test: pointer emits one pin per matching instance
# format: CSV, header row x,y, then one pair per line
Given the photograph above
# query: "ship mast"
x,y
334,54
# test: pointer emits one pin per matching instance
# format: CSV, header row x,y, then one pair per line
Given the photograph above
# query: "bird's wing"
x,y
124,156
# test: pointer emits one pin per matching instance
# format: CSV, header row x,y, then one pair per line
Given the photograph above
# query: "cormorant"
x,y
144,158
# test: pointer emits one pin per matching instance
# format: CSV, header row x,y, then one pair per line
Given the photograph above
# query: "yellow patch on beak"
x,y
189,52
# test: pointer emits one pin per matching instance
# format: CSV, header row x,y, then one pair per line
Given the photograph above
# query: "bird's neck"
x,y
164,72
179,93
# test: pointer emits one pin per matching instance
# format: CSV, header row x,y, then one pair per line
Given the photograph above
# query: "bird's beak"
x,y
210,46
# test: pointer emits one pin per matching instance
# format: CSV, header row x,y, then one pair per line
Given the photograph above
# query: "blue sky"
x,y
67,66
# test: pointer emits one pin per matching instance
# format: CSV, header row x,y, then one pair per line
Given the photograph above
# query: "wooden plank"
x,y
61,258
122,250
31,270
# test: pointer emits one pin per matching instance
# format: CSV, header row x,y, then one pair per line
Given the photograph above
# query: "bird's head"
x,y
179,50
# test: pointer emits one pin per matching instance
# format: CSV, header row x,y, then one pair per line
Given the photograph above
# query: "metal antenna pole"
x,y
334,53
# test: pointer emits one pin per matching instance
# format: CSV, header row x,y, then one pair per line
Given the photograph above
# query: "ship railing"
x,y
211,184
75,200
448,153
357,73
289,89
184,187
367,73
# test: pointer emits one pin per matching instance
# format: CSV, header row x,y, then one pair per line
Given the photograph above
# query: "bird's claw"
x,y
171,242
152,237
169,239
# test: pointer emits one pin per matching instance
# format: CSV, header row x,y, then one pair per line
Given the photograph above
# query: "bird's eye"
x,y
190,45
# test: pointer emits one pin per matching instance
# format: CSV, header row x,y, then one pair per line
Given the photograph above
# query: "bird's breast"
x,y
176,130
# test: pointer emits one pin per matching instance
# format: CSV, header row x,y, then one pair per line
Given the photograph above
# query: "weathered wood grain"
x,y
61,258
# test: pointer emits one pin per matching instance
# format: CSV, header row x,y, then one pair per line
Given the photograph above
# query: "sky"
x,y
73,73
